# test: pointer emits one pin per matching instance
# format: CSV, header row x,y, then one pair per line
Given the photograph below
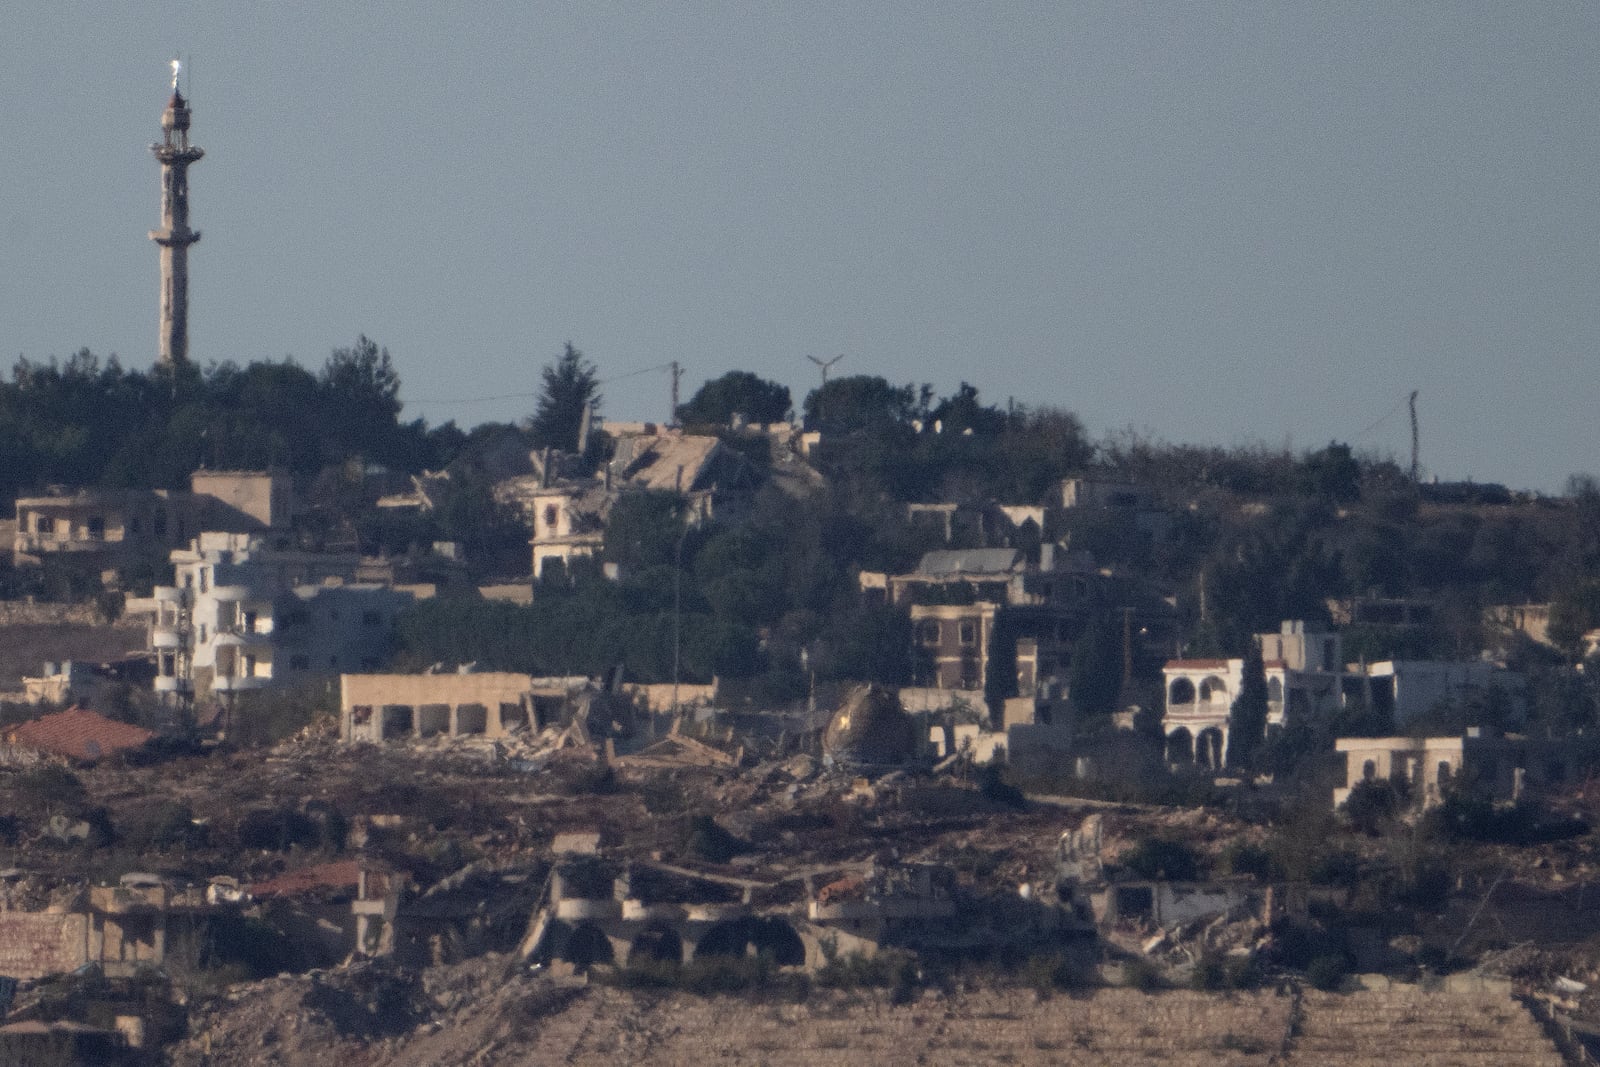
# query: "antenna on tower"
x,y
1415,447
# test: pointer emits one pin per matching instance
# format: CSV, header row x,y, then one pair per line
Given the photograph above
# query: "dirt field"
x,y
478,1014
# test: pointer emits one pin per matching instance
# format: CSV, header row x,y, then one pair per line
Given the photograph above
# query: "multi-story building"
x,y
242,615
1306,676
109,526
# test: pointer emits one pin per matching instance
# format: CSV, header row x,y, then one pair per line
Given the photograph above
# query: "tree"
x,y
570,384
736,393
1247,720
859,402
1095,676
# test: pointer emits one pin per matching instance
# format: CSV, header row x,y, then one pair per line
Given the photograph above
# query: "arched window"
x,y
1275,690
1182,692
1369,771
1213,691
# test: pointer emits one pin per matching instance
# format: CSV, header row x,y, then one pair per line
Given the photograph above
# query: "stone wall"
x,y
23,612
34,944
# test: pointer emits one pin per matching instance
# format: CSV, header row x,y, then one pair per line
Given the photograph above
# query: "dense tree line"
x,y
88,422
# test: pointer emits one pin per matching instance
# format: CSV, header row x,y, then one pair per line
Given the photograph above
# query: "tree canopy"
x,y
569,385
736,393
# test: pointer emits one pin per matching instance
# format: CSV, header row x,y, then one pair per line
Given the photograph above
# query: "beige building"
x,y
113,524
568,515
382,707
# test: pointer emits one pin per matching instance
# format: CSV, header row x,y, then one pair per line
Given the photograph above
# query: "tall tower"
x,y
175,153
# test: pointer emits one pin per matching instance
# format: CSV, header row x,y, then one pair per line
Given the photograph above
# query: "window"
x,y
202,633
969,632
249,665
205,578
928,631
550,516
97,528
249,622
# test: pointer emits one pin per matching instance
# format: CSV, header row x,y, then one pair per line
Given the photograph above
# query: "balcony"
x,y
227,684
166,638
169,684
238,637
230,594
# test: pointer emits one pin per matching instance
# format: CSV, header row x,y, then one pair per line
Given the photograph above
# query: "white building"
x,y
1306,676
243,616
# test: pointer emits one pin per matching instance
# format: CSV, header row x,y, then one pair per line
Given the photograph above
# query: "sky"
x,y
1206,222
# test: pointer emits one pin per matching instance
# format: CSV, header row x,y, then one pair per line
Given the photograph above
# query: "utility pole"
x,y
1415,448
677,372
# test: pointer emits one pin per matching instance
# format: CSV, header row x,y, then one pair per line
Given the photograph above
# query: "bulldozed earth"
x,y
1498,965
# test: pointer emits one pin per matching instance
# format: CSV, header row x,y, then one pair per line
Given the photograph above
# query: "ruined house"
x,y
492,704
568,511
111,525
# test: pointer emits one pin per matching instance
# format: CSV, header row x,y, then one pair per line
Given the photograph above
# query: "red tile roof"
x,y
1197,665
77,733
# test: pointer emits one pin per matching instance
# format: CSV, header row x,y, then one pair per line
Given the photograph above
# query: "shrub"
x,y
1327,972
710,842
855,971
1372,804
51,788
1246,859
1045,974
1156,857
1214,972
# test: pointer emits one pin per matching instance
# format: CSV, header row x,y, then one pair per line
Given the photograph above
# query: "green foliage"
x,y
1373,804
1045,974
51,789
710,843
152,429
1095,677
1160,858
643,530
1215,972
1327,973
1467,814
568,385
737,392
1247,719
889,968
858,402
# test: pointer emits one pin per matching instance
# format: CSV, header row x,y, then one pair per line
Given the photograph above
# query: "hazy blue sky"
x,y
1213,222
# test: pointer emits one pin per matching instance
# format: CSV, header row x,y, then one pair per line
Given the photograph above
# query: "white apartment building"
x,y
244,616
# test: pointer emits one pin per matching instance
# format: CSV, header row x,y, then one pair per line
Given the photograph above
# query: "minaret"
x,y
175,154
